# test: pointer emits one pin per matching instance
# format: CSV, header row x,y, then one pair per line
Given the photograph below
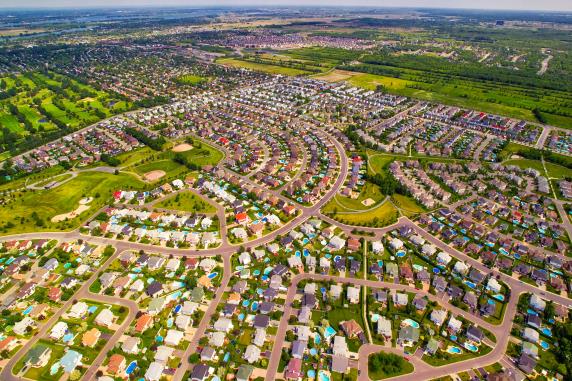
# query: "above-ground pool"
x,y
68,337
374,318
436,270
240,317
298,254
256,272
411,323
471,347
454,350
159,339
131,367
453,337
177,308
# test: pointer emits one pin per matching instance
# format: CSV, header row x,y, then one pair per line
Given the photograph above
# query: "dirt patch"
x,y
154,175
73,214
368,202
182,147
336,75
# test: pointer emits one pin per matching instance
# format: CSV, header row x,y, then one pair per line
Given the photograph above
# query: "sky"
x,y
557,5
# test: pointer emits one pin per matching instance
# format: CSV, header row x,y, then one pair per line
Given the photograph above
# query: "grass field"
x,y
190,79
186,201
272,69
381,215
17,216
554,170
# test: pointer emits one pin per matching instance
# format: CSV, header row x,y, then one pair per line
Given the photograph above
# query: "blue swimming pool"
x,y
471,347
298,254
470,284
329,332
313,351
169,322
246,303
436,270
254,306
317,339
547,331
305,241
544,344
28,310
131,367
491,302
159,339
54,368
453,337
454,350
400,254
92,309
212,275
226,357
311,373
499,297
240,317
411,323
306,252
323,376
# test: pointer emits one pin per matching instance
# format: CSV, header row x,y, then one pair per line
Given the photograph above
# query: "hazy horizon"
x,y
495,5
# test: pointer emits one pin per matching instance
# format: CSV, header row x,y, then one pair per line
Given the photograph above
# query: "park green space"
x,y
191,79
266,68
20,214
186,201
384,365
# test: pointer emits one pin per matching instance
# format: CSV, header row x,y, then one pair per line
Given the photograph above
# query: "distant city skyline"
x,y
548,5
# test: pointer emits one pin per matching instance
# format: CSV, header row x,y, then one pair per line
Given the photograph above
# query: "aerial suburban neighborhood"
x,y
289,193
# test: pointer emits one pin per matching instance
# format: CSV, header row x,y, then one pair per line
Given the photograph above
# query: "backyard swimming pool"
x,y
323,376
212,275
411,323
400,254
547,331
131,367
471,347
454,350
544,344
329,332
